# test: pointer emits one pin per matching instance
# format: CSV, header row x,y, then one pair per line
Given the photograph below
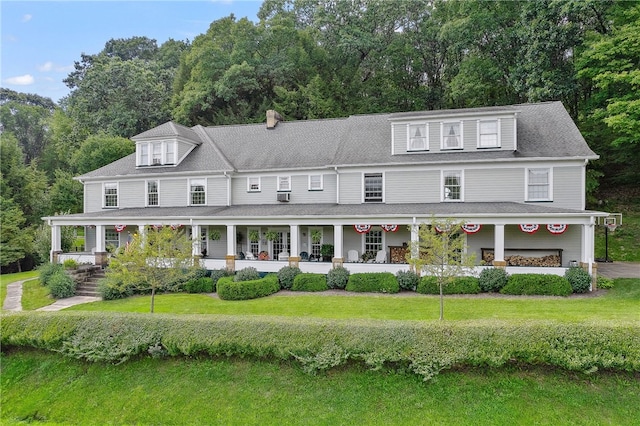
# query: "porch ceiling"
x,y
327,212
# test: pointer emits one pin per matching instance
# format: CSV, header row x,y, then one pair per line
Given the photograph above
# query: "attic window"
x,y
156,153
417,137
488,134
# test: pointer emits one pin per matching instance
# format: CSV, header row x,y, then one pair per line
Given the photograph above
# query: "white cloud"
x,y
20,80
26,18
47,66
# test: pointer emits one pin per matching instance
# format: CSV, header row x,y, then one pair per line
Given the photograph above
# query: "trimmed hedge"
x,y
492,279
310,282
216,274
377,282
459,285
286,275
424,347
538,284
338,277
247,274
228,289
579,279
408,280
199,285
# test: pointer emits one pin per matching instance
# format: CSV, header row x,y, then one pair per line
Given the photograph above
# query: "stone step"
x,y
87,293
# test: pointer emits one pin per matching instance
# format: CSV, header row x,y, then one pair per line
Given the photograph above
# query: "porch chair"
x,y
381,257
249,256
352,256
283,256
304,256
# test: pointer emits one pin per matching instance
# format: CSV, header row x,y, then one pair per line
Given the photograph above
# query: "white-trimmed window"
x,y
452,185
315,183
373,241
156,153
143,154
169,153
253,184
110,190
111,238
197,192
284,183
373,188
451,135
153,193
417,137
539,184
488,133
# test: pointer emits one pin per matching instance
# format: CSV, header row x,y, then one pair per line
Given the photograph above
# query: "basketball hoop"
x,y
611,226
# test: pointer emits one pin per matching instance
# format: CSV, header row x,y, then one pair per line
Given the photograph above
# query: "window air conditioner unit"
x,y
284,197
156,162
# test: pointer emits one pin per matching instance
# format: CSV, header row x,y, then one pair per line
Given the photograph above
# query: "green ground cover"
x,y
624,242
6,279
619,303
48,389
35,295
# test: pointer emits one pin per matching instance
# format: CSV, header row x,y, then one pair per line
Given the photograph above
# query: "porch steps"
x,y
89,287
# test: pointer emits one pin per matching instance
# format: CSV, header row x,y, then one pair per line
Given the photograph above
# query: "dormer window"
x,y
156,153
488,134
418,137
452,135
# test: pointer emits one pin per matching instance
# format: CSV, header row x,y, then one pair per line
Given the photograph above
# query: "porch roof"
x,y
401,213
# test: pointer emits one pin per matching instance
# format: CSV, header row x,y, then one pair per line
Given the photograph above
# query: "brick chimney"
x,y
272,119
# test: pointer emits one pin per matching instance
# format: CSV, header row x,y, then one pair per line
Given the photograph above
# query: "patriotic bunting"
x,y
529,228
175,226
557,228
443,229
389,228
362,229
471,228
120,228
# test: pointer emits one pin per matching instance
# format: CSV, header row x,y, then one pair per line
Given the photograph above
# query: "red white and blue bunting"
x,y
389,228
442,229
529,228
175,226
362,229
471,228
557,228
120,228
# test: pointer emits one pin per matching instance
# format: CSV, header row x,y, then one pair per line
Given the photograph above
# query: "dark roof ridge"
x,y
200,130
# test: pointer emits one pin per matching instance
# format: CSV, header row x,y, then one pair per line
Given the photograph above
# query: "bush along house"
x,y
320,193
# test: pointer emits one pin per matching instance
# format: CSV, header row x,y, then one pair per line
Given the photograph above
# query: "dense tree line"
x,y
321,59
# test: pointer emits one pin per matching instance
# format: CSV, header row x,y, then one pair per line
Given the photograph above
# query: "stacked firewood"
x,y
517,260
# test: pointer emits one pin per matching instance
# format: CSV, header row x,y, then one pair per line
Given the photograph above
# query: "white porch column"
x,y
231,248
338,249
142,232
415,239
101,252
195,240
56,243
294,255
498,246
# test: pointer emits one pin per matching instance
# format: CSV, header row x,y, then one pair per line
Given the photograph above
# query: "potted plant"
x,y
271,235
254,236
214,235
316,236
326,250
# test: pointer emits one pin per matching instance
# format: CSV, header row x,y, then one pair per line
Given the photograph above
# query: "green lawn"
x,y
35,296
624,242
6,279
621,302
39,387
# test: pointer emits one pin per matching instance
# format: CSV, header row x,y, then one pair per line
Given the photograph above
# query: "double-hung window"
x,y
169,153
284,183
417,138
539,185
452,185
153,194
253,184
143,152
197,193
373,184
111,194
373,241
452,135
488,134
111,238
315,182
156,153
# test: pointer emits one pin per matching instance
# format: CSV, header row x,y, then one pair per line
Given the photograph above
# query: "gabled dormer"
x,y
166,145
481,129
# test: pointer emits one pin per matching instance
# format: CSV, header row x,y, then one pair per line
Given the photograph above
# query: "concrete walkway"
x,y
13,300
619,269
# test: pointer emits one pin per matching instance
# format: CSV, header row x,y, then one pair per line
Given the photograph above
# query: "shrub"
x,y
47,270
407,280
286,275
338,277
604,282
179,283
247,274
459,285
200,285
310,282
379,282
579,279
540,284
61,285
228,289
216,274
492,279
70,264
111,290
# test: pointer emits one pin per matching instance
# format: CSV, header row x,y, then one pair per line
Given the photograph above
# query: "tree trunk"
x,y
153,293
441,303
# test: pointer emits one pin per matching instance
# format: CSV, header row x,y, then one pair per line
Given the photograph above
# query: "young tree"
x,y
152,260
440,252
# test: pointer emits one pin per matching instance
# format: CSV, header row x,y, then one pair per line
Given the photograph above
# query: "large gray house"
x,y
267,195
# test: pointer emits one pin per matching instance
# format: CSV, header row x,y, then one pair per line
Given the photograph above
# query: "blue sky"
x,y
40,40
